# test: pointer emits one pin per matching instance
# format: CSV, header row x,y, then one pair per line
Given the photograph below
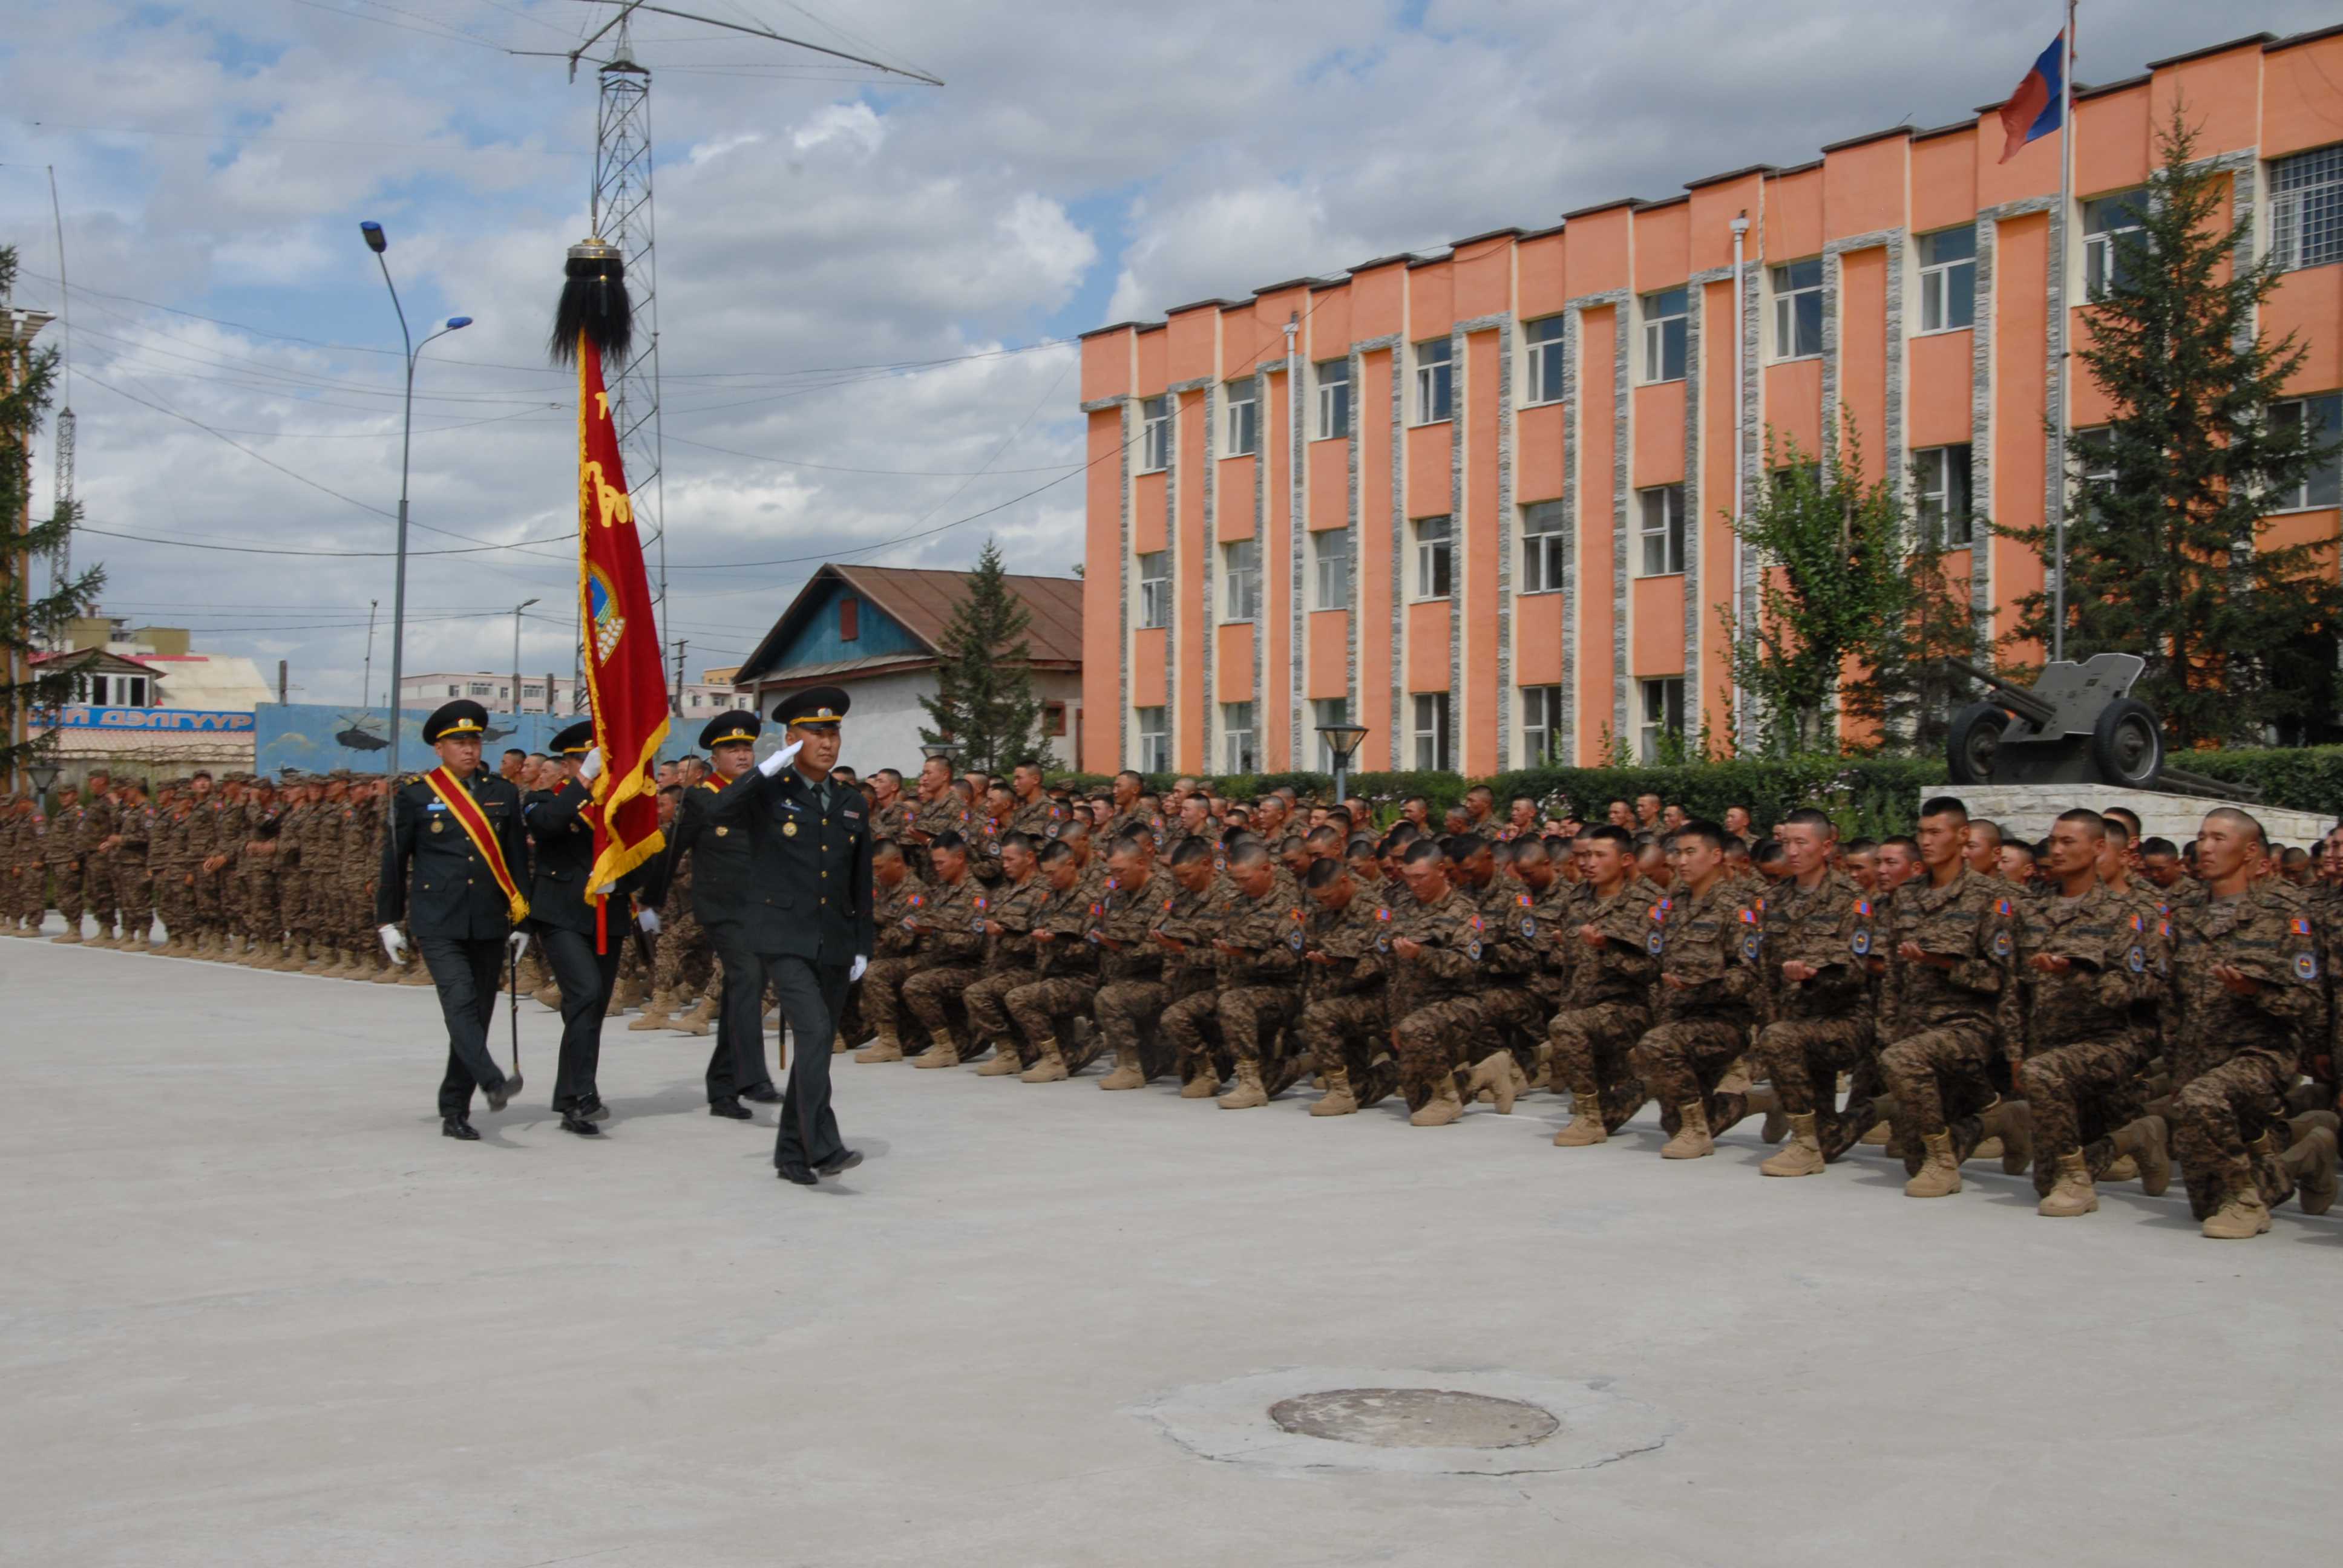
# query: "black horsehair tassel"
x,y
594,303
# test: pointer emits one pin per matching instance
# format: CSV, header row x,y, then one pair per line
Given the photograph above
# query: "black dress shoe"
x,y
458,1127
763,1094
592,1109
577,1121
730,1107
797,1173
846,1160
504,1091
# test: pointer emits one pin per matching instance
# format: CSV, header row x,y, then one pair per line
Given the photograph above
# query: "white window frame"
x,y
1238,752
1542,360
1541,725
1659,712
1428,713
1154,591
1241,566
1667,317
1330,560
1436,557
1324,711
2099,244
2315,493
1435,380
1660,533
1944,281
1154,434
1156,744
2306,207
1333,377
1544,547
1243,425
1787,295
455,690
480,687
1943,500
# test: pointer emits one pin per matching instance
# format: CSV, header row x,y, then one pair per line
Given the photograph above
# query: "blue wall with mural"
x,y
309,738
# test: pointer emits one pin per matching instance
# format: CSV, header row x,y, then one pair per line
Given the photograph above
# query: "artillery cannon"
x,y
2077,724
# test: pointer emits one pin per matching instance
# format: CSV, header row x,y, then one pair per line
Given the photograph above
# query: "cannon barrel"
x,y
2217,789
2019,699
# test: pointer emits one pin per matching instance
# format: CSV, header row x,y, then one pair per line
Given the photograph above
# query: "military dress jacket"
x,y
563,832
432,877
715,862
811,895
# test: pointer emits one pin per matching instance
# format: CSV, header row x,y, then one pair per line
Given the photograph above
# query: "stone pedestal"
x,y
2026,811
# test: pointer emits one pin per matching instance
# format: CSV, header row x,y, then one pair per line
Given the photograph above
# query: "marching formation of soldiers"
x,y
2098,1007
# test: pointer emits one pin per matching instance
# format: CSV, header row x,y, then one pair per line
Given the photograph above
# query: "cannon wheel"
x,y
1975,740
2127,746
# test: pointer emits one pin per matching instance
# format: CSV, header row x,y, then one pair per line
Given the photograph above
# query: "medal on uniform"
x,y
721,831
789,830
438,826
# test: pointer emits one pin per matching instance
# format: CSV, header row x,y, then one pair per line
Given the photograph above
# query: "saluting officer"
x,y
558,912
448,868
808,915
723,887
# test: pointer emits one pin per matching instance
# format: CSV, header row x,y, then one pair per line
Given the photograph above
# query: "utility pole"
x,y
283,669
366,682
61,560
680,644
516,707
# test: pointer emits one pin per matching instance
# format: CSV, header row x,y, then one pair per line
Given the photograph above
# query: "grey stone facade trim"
x,y
1100,405
1402,717
1695,534
1751,412
1211,609
1171,566
1623,679
1126,726
1507,535
1297,521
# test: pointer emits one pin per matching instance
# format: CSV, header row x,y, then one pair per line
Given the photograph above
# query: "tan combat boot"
x,y
1249,1092
1445,1106
547,995
1586,1124
321,960
1940,1174
2072,1193
2242,1215
71,938
2141,1145
1882,1130
1338,1100
1006,1059
943,1053
1803,1155
1203,1083
886,1047
1767,1102
659,1012
1497,1079
837,1046
697,1020
1048,1066
2311,1162
2011,1123
1127,1073
417,972
1691,1141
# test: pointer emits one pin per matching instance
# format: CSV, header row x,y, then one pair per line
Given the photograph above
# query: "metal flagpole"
x,y
2065,315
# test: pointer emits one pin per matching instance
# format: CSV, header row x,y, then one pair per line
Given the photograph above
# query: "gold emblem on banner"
x,y
789,830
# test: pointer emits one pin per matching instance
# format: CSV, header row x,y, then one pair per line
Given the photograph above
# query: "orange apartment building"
x,y
1480,501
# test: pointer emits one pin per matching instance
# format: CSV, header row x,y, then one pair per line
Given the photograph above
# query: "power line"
x,y
343,555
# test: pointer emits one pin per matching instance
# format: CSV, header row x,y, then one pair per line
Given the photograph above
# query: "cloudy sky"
x,y
868,289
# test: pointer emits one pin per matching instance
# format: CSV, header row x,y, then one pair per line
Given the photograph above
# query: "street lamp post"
x,y
516,707
1342,740
378,242
44,777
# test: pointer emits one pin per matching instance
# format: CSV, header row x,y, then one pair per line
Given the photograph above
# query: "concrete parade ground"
x,y
258,1311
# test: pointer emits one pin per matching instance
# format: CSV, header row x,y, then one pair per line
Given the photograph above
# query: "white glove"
x,y
862,962
592,765
772,766
519,942
648,919
394,943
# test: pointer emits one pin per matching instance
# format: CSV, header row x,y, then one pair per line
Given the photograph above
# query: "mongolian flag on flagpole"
x,y
625,678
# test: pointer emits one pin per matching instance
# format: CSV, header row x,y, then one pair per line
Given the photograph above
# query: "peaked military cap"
x,y
816,705
455,719
729,730
574,741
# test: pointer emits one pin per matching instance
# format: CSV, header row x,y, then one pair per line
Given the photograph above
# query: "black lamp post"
x,y
1343,740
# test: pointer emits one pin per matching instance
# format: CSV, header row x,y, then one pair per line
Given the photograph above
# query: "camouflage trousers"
x,y
934,994
986,998
1038,1008
1516,1016
297,899
1590,1053
1942,1079
683,958
2220,1111
1803,1057
68,886
2077,1095
1128,1012
134,895
174,899
209,908
1191,1026
1682,1061
1353,1033
881,989
1438,1037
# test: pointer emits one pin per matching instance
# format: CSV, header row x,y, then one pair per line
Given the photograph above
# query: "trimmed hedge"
x,y
2302,777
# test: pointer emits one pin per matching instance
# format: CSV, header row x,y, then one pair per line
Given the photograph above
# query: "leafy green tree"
x,y
1900,686
984,701
2171,557
28,383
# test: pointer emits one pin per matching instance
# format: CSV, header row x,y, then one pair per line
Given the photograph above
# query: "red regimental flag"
x,y
624,675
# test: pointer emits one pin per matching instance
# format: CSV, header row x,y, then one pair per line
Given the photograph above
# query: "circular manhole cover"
x,y
1413,1417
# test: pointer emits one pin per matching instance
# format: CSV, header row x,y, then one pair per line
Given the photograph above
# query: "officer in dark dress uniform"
x,y
723,880
809,913
436,879
563,919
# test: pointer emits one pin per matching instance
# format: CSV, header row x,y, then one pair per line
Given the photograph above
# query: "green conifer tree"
x,y
984,701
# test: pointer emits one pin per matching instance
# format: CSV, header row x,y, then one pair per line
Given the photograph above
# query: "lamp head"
x,y
457,323
376,241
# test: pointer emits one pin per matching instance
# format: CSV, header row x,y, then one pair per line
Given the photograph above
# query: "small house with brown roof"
x,y
878,632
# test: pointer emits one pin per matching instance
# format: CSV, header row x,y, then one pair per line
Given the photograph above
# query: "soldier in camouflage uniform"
x,y
951,927
1712,945
291,875
1186,930
895,957
891,809
2086,962
1066,967
321,859
126,849
1345,1027
61,853
20,859
168,867
1260,946
1942,1008
2246,967
1517,1010
1132,964
937,811
1035,815
100,814
1440,1014
1011,906
1611,971
1820,932
257,906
